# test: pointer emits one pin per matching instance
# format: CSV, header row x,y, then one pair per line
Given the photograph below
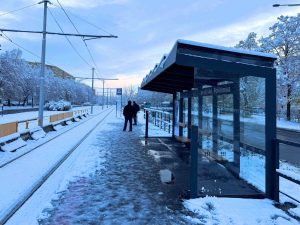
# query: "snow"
x,y
83,163
295,211
29,169
38,134
14,145
242,51
291,174
58,127
9,137
33,115
223,211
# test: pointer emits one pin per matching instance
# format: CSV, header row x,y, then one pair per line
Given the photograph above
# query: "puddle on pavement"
x,y
166,176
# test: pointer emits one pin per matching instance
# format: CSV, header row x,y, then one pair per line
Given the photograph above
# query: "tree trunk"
x,y
288,105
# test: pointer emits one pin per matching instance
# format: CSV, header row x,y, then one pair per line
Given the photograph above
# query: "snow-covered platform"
x,y
118,177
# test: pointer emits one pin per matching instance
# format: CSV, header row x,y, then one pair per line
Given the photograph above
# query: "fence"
x,y
13,127
161,119
283,174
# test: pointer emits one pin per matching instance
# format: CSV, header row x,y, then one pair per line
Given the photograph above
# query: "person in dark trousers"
x,y
128,114
136,108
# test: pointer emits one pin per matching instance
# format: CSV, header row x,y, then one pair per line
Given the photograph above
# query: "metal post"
x,y
116,109
147,124
92,105
106,97
270,134
200,116
173,115
180,115
42,73
194,163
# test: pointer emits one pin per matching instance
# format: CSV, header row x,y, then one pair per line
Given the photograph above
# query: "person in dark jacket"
x,y
128,114
136,108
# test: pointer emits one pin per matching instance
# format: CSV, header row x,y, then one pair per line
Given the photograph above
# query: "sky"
x,y
146,30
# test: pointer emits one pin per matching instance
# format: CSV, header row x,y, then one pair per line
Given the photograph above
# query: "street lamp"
x,y
278,5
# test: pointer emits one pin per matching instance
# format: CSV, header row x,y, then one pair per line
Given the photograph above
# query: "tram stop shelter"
x,y
224,103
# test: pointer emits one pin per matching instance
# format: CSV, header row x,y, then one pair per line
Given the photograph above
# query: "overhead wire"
x,y
16,10
68,40
84,20
21,47
74,26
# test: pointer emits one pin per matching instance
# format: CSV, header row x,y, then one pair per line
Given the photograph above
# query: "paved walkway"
x,y
127,191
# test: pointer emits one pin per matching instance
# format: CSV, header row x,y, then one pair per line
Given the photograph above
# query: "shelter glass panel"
x,y
252,132
195,112
177,102
225,127
207,123
185,117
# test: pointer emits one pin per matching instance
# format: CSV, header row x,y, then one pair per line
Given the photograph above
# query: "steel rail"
x,y
45,177
25,153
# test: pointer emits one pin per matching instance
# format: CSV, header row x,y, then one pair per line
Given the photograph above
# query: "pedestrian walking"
x,y
136,108
128,114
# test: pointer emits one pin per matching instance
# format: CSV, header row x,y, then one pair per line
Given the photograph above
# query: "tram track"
x,y
51,139
17,205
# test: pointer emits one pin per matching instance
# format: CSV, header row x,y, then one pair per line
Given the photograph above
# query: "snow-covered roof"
x,y
187,55
237,50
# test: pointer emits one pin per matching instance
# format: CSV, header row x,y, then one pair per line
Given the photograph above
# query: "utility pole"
x,y
93,96
43,57
42,74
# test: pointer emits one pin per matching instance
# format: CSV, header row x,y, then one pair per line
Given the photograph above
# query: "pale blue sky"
x,y
146,30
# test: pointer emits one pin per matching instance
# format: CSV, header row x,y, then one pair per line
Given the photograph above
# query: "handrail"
x,y
294,144
279,173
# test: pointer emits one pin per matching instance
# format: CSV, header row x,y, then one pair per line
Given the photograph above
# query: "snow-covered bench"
x,y
37,133
11,142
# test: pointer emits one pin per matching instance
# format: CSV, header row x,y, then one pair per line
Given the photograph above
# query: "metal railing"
x,y
160,118
280,173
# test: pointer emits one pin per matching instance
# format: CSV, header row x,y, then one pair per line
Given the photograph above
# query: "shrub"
x,y
60,105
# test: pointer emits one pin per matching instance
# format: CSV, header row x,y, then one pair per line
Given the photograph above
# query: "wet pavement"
x,y
135,186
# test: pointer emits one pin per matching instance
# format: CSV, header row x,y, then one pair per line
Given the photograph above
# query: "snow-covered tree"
x,y
20,81
249,43
284,42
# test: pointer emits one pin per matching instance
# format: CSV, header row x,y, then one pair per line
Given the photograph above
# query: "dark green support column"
x,y
147,124
270,135
173,115
181,115
194,163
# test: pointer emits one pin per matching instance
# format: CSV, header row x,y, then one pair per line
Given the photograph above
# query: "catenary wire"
x,y
23,48
84,20
12,11
72,23
71,44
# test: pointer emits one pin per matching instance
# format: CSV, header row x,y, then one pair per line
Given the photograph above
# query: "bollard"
x,y
147,121
194,163
27,124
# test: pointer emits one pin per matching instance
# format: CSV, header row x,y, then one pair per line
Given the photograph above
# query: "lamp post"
x,y
278,5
